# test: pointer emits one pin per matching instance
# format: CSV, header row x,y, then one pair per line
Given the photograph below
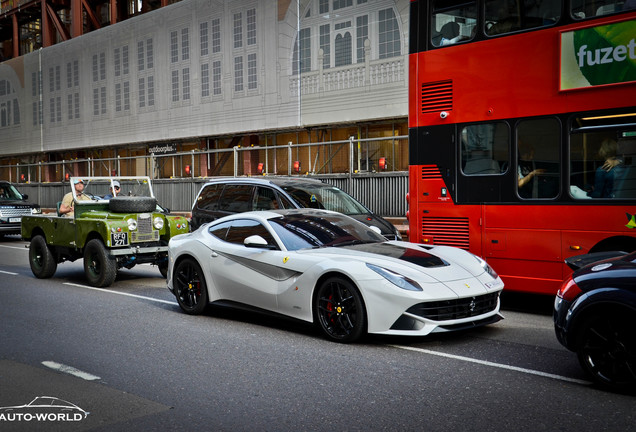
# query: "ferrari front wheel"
x,y
339,310
189,287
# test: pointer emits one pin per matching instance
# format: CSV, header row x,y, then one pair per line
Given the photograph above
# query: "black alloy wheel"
x,y
339,310
607,349
189,287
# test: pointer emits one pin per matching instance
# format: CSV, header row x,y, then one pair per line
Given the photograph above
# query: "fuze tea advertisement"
x,y
599,55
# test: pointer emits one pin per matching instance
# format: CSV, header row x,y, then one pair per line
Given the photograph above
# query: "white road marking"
x,y
492,364
24,248
70,370
9,273
123,294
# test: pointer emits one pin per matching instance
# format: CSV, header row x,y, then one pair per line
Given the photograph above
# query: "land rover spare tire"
x,y
132,204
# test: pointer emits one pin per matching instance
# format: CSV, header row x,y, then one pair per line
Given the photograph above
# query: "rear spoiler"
x,y
578,261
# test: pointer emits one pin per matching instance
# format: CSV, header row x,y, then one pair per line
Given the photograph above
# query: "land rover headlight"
x,y
132,224
158,222
36,211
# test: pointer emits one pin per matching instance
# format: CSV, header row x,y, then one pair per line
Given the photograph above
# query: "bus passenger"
x,y
527,172
608,172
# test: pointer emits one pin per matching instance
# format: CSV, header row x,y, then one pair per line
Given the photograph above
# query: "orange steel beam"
x,y
55,20
91,15
16,36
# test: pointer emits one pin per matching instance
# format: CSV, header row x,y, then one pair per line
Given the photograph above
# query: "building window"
x,y
343,49
186,83
251,27
174,47
238,30
389,34
325,44
205,80
216,78
238,74
302,52
362,34
216,36
175,86
251,72
203,34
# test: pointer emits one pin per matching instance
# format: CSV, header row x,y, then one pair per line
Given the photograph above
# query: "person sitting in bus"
x,y
527,172
608,173
448,34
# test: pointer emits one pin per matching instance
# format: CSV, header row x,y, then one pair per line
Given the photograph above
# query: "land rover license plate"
x,y
119,239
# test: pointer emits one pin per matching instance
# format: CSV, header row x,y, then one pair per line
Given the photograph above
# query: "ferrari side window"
x,y
244,228
220,230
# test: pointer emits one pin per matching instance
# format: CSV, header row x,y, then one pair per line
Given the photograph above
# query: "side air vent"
x,y
447,231
437,96
430,172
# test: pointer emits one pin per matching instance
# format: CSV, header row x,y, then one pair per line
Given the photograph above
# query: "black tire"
x,y
132,204
190,287
41,259
100,268
339,310
163,268
607,349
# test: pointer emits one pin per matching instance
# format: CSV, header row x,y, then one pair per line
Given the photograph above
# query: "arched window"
x,y
332,27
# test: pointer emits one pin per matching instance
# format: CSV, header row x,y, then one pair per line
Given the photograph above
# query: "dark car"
x,y
595,316
13,205
224,197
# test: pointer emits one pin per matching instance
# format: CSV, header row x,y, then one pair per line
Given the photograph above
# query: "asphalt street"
x,y
134,361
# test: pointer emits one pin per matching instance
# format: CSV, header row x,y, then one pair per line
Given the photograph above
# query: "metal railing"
x,y
384,154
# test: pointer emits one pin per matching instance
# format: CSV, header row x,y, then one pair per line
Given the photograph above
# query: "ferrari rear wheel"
x,y
607,349
189,287
339,310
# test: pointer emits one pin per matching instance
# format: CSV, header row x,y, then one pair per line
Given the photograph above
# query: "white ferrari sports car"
x,y
327,268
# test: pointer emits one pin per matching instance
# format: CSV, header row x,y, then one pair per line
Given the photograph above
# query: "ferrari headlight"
x,y
132,224
396,279
158,222
487,267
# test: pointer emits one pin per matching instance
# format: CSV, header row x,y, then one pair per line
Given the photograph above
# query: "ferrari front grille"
x,y
446,310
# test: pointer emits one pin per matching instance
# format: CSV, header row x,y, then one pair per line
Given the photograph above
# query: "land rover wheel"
x,y
42,261
100,268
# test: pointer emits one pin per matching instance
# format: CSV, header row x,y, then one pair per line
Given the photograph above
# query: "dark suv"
x,y
13,205
223,197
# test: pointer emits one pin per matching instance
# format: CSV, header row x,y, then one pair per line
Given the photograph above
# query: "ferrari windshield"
x,y
325,197
302,231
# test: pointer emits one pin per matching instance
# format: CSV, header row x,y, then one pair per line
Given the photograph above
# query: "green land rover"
x,y
116,223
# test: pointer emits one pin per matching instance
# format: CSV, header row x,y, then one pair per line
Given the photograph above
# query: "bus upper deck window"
x,y
508,16
582,9
453,21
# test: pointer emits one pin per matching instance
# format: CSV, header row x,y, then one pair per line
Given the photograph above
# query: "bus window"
x,y
592,8
507,16
538,146
453,21
602,165
484,148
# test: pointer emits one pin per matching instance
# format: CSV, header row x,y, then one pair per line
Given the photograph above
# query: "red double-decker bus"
x,y
522,130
